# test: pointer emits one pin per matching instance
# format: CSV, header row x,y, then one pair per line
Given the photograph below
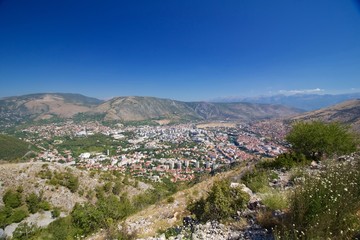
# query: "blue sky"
x,y
179,49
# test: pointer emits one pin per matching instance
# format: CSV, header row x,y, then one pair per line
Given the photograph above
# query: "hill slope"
x,y
347,112
143,108
12,148
242,111
46,105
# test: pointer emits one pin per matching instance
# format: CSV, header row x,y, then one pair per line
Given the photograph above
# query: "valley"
x,y
140,176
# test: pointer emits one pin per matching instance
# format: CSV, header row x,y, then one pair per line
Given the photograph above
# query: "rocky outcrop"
x,y
218,231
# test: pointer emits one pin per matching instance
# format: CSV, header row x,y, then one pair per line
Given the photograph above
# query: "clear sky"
x,y
179,49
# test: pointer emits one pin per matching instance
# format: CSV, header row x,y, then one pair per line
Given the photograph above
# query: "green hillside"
x,y
12,148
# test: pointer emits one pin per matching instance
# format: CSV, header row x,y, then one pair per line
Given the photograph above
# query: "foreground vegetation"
x,y
17,206
325,205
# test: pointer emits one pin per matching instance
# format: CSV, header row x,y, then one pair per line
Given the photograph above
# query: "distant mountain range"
x,y
307,102
346,112
48,105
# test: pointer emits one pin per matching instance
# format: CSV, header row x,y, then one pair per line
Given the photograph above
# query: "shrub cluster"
x,y
66,179
15,209
222,202
36,203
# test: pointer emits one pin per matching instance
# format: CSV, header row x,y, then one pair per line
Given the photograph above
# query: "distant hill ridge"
x,y
308,102
134,108
347,112
46,105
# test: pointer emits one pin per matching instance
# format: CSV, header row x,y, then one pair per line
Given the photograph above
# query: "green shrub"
x,y
117,188
285,160
72,182
112,207
35,203
60,229
5,213
12,198
151,196
89,218
86,217
32,202
55,213
45,173
44,205
221,203
107,187
170,199
66,179
318,139
25,231
18,215
258,180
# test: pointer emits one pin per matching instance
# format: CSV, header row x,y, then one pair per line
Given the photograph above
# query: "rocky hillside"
x,y
61,186
242,110
144,108
347,112
28,175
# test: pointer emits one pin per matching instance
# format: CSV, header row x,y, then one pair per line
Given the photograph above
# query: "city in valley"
x,y
178,152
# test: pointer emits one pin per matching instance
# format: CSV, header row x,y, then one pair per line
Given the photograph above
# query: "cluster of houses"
x,y
177,152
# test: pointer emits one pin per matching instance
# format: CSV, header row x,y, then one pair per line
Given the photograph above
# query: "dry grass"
x,y
55,105
217,124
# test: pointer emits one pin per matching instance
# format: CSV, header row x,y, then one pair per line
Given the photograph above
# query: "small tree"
x,y
316,139
19,214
